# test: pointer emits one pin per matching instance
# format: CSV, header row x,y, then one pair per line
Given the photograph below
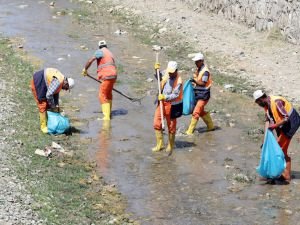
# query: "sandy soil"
x,y
260,57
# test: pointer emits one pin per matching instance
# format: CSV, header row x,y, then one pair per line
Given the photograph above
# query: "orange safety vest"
x,y
276,115
176,82
198,77
50,73
106,66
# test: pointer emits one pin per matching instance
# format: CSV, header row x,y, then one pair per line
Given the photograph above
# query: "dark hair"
x,y
102,46
264,95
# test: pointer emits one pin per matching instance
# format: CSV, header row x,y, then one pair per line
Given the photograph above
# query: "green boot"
x,y
159,141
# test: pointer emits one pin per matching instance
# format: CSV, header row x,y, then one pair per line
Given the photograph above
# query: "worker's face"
x,y
199,63
173,75
261,102
65,85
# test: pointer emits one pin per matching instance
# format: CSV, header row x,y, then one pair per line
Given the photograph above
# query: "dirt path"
x,y
242,52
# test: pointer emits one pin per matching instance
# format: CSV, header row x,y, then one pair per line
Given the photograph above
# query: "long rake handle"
x,y
159,90
119,92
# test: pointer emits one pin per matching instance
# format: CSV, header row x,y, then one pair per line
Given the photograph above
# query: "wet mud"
x,y
209,179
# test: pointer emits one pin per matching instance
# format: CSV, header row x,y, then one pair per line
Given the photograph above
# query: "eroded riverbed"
x,y
210,178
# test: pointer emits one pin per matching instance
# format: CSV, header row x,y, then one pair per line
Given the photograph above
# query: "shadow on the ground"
x,y
184,144
203,129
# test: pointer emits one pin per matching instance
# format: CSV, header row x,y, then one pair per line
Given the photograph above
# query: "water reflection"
x,y
104,144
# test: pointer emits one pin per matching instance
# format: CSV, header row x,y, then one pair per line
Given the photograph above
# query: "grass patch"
x,y
66,190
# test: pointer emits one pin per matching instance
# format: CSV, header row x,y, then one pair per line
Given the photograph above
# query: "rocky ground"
x,y
15,200
264,58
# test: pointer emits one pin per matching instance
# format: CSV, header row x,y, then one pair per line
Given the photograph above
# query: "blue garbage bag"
x,y
272,161
188,98
57,123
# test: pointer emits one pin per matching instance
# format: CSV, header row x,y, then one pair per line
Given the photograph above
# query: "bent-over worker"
x,y
46,85
281,116
107,73
171,98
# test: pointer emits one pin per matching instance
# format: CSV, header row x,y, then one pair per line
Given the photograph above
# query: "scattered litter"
x,y
156,47
23,6
242,178
46,152
288,212
52,4
120,32
227,166
228,86
149,80
83,47
60,59
90,2
135,57
61,164
55,145
124,139
20,46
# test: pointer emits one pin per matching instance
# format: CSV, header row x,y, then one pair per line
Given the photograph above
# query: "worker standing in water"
x,y
171,98
46,85
107,73
202,82
281,116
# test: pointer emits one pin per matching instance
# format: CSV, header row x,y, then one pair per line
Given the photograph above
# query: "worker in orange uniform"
x,y
46,85
202,82
281,116
107,73
171,98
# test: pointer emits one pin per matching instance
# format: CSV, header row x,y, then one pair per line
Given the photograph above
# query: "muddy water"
x,y
196,184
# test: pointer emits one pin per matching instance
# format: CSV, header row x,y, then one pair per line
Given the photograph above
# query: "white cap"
x,y
102,43
198,56
71,83
257,94
172,67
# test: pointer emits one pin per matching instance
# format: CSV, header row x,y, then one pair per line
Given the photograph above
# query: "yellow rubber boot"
x,y
43,122
171,144
208,121
106,111
192,126
159,141
110,104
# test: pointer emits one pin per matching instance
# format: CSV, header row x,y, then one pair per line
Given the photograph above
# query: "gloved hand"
x,y
161,97
84,72
157,66
272,126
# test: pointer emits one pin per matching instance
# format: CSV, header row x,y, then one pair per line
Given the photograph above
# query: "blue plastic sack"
x,y
188,98
272,161
57,124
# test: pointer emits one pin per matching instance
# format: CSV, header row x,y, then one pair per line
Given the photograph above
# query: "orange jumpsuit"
x,y
202,94
175,97
107,73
